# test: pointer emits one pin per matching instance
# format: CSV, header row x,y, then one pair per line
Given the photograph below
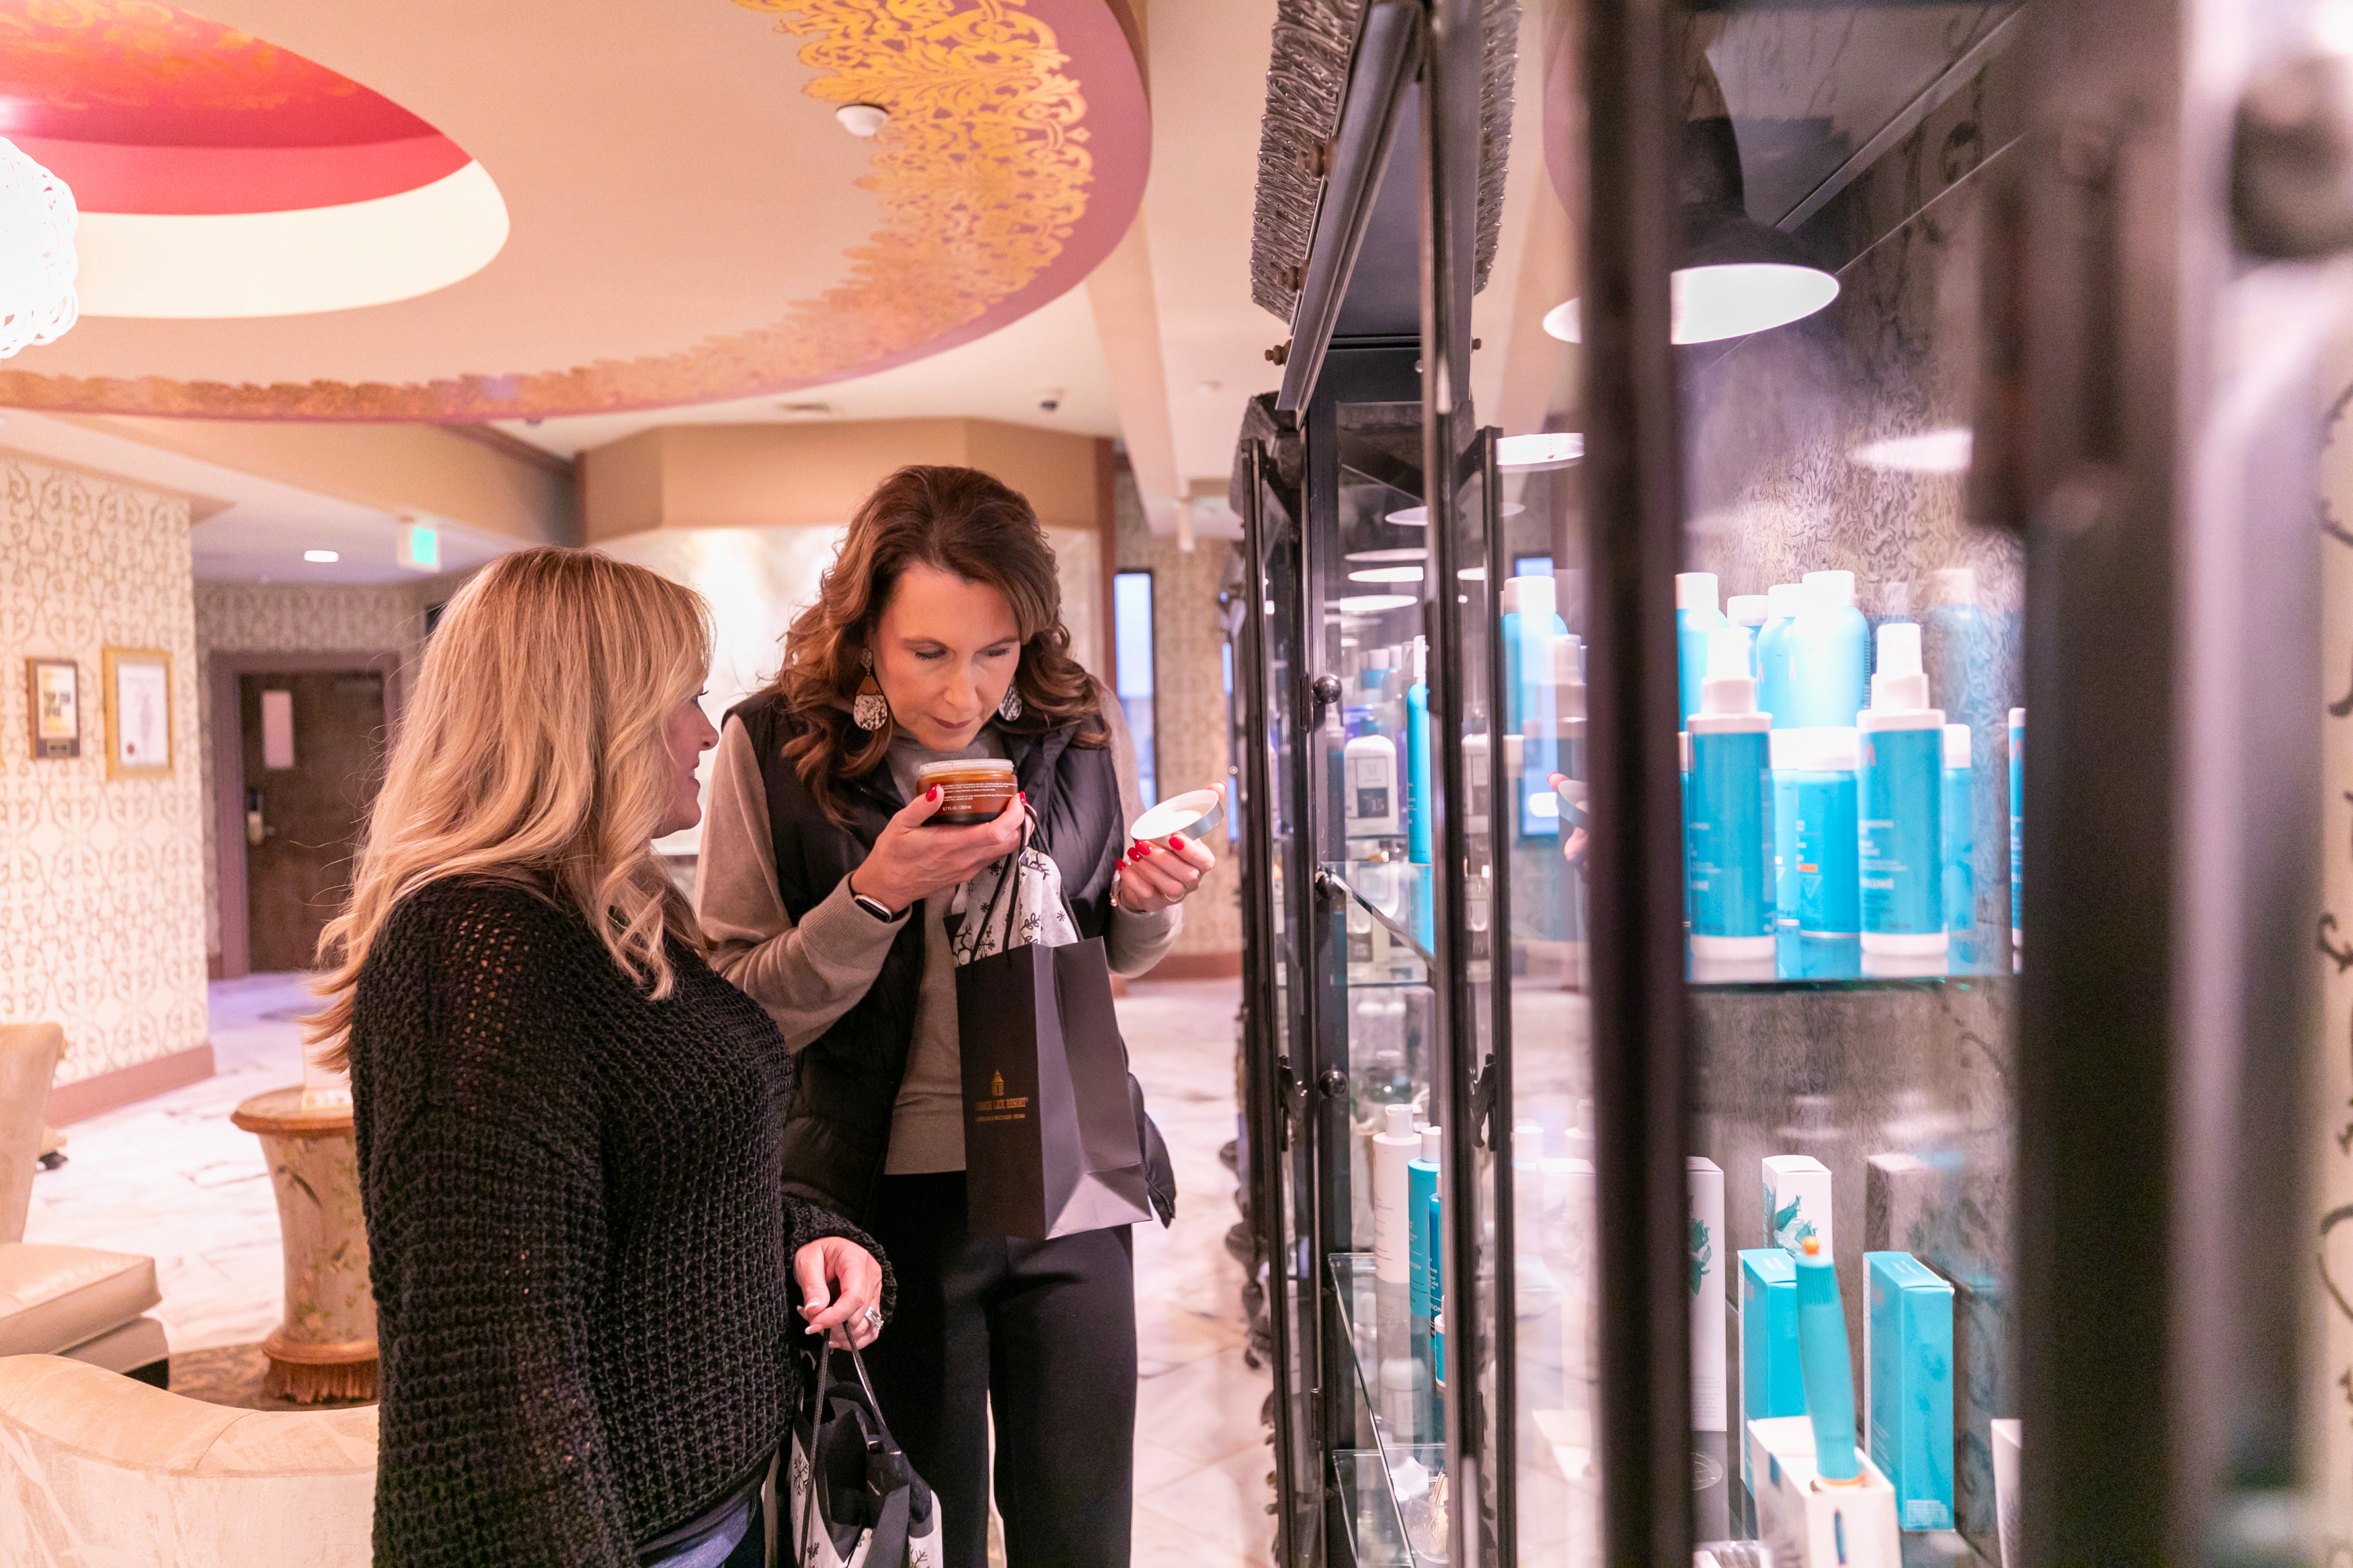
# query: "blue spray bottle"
x,y
1531,621
2017,830
1776,653
1960,849
1899,804
1830,648
1696,616
1729,874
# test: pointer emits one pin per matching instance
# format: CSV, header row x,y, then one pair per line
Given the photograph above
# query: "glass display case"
x,y
1643,1133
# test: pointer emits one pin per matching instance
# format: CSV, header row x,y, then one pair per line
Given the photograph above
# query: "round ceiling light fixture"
x,y
862,119
1739,276
1947,452
1419,516
37,265
321,557
1543,451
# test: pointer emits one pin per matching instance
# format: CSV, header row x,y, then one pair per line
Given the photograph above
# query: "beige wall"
x,y
1189,699
815,475
249,617
101,882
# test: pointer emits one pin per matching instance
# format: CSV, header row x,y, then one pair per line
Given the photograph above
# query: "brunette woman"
x,y
938,634
569,1128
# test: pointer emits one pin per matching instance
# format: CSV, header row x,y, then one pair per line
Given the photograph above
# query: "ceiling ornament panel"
x,y
1003,176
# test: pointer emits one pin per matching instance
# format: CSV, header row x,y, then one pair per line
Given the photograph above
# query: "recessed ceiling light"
x,y
1929,452
1387,575
321,557
1374,603
862,119
1409,552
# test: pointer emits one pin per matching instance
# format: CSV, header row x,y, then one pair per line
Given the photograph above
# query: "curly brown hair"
x,y
954,520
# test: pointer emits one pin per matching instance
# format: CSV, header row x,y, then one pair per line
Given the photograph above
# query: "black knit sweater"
x,y
580,1243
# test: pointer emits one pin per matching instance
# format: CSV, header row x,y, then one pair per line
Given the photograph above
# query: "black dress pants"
x,y
1042,1330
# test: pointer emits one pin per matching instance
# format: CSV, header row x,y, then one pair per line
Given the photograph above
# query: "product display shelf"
x,y
1405,1426
1360,1476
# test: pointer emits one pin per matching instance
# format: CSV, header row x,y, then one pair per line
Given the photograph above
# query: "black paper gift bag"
x,y
1050,1139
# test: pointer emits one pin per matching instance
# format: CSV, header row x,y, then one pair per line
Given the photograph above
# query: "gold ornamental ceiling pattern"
x,y
982,176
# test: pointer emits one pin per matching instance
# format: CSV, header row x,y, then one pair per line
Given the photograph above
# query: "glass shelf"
x,y
1406,1416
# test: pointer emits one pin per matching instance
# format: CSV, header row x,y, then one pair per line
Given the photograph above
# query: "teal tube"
x,y
2017,825
1777,672
1416,773
1824,1366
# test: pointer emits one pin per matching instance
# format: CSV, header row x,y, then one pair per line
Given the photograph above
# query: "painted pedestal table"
x,y
325,1347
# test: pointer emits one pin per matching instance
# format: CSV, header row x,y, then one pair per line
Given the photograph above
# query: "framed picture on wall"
x,y
138,686
53,706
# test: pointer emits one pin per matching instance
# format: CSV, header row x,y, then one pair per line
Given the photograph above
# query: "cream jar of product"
x,y
973,790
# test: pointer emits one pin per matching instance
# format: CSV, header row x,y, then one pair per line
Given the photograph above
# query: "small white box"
x,y
1704,1182
1804,1522
1797,1201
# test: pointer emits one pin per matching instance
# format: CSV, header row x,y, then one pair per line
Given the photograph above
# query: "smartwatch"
x,y
874,906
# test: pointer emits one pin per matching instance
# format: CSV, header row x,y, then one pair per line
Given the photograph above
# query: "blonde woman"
x,y
569,1127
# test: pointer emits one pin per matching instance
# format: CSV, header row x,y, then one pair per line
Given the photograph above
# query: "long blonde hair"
x,y
532,748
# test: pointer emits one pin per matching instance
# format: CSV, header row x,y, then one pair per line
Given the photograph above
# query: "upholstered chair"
x,y
98,1471
74,1302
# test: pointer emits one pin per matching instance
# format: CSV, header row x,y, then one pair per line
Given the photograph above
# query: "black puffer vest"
x,y
837,1131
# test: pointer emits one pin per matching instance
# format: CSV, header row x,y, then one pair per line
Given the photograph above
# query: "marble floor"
x,y
172,1178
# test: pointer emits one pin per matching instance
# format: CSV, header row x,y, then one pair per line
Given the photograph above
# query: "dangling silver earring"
x,y
1010,709
870,710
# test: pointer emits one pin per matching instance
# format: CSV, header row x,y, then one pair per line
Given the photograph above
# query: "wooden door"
x,y
310,813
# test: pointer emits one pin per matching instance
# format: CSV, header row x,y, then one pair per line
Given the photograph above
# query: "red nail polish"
x,y
1176,841
934,793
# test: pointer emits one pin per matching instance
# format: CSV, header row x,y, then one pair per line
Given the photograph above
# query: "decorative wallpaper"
x,y
1189,695
275,618
2331,1409
101,883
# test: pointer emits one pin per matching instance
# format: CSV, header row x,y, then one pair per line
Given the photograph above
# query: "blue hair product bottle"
x,y
1776,654
1831,651
1729,874
1696,616
1900,814
1960,849
1814,770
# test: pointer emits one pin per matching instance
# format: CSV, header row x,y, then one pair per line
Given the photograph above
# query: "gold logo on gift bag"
x,y
996,1086
998,1107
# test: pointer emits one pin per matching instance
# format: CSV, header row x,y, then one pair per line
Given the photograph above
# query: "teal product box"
x,y
1770,1384
1908,1385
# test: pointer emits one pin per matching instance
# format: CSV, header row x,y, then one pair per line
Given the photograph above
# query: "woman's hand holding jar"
x,y
911,859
